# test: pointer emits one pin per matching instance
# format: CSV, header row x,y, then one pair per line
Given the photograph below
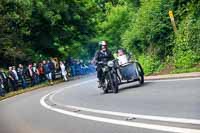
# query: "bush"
x,y
187,43
184,59
149,63
149,28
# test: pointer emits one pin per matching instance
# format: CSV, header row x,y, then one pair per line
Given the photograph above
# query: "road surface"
x,y
80,107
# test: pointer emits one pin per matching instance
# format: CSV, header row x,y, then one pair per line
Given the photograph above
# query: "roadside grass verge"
x,y
186,70
171,69
28,89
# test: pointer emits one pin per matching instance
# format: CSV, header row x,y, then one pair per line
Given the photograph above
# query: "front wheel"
x,y
105,91
114,82
106,87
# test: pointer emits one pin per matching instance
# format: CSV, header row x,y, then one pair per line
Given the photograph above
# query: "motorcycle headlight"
x,y
110,63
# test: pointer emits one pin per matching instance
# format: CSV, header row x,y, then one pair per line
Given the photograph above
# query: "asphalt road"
x,y
80,107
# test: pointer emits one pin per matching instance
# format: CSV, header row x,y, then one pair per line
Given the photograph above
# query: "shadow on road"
x,y
128,86
133,86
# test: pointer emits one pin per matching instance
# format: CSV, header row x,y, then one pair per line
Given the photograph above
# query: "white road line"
x,y
130,115
119,122
155,80
147,117
169,80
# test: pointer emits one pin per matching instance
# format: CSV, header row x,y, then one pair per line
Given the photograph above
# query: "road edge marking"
x,y
118,122
147,117
112,121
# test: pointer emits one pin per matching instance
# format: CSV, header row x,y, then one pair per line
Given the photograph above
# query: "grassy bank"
x,y
28,89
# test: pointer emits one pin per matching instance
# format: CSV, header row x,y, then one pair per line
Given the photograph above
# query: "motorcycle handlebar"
x,y
105,63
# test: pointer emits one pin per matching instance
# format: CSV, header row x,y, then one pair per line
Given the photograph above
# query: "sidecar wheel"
x,y
140,72
141,79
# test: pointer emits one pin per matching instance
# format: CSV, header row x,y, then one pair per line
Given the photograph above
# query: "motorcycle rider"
x,y
102,55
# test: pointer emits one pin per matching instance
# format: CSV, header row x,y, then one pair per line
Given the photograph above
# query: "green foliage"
x,y
31,30
63,23
143,28
14,30
115,24
45,27
149,30
149,63
186,70
184,59
187,42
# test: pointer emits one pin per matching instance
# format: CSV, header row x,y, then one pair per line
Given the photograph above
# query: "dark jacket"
x,y
1,82
103,56
51,66
21,73
3,76
30,73
11,76
46,68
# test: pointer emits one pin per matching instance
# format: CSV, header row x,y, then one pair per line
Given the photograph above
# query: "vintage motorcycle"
x,y
116,74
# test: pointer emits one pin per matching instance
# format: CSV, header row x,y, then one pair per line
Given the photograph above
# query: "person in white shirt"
x,y
122,58
15,72
63,70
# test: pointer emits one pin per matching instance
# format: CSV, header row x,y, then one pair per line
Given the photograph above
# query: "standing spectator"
x,y
52,68
31,74
15,72
5,80
36,73
16,75
47,72
63,70
41,72
77,68
68,64
11,79
22,75
2,91
73,68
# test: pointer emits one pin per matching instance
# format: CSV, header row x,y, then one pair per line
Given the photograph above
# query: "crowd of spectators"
x,y
36,73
